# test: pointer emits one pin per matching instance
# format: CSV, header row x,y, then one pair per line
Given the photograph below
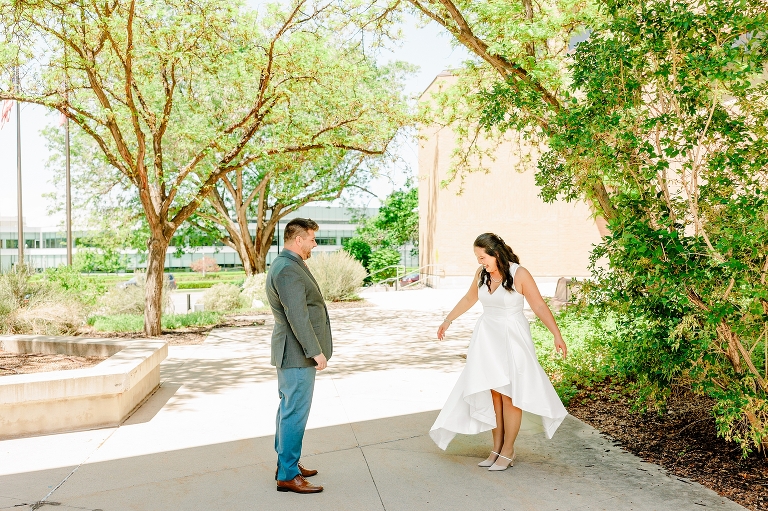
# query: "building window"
x,y
55,242
326,241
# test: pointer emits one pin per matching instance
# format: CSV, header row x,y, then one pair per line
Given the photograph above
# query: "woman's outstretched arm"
x,y
466,303
527,287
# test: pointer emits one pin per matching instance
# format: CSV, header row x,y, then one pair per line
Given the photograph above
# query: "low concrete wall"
x,y
77,399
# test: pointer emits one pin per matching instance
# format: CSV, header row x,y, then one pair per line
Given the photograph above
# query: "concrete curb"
x,y
71,400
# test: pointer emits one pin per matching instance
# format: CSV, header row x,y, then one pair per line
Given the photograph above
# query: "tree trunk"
x,y
251,253
261,246
153,294
247,257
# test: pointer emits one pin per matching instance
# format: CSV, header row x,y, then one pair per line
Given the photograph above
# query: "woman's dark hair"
x,y
494,246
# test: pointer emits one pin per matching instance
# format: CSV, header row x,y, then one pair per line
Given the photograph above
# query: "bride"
x,y
502,381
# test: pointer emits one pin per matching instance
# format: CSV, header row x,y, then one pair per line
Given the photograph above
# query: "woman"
x,y
502,380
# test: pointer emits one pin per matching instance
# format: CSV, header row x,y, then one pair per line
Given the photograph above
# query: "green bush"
x,y
135,322
211,277
77,286
34,306
117,323
338,274
195,285
358,248
223,297
254,288
203,318
130,299
589,357
380,259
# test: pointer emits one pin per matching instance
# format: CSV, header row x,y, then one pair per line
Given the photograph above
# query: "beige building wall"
x,y
552,240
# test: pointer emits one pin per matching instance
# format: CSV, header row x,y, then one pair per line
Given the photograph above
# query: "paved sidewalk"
x,y
204,440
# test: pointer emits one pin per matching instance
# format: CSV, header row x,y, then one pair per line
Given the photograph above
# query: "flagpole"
x,y
67,177
68,193
20,210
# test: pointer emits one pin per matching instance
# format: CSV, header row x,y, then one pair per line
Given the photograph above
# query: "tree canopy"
x,y
177,94
655,114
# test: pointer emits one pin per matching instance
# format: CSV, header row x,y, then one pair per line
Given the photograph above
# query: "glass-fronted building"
x,y
45,246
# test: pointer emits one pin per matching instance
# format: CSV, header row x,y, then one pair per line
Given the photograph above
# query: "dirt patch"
x,y
684,441
180,337
27,363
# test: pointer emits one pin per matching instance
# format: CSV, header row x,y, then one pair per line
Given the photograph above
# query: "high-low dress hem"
x,y
501,357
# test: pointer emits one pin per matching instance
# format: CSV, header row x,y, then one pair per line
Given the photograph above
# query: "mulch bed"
x,y
27,363
683,441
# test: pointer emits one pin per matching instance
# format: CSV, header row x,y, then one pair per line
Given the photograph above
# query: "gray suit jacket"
x,y
302,326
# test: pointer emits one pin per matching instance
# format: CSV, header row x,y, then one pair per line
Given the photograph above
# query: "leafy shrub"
x,y
130,298
200,318
589,357
195,285
380,259
223,297
36,307
77,286
338,274
205,265
254,288
135,322
359,249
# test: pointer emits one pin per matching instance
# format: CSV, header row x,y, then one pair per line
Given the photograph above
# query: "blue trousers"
x,y
295,387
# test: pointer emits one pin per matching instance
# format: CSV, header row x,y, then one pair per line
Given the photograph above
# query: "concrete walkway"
x,y
204,440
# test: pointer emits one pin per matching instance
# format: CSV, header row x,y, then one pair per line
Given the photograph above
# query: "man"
x,y
301,345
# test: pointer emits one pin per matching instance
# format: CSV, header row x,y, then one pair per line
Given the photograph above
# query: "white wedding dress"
x,y
501,357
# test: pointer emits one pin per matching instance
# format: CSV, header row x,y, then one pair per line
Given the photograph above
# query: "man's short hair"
x,y
299,227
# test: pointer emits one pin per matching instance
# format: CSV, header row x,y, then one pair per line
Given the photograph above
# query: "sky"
x,y
427,47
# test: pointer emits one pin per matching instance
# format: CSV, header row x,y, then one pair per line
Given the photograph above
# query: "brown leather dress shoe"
x,y
305,472
298,485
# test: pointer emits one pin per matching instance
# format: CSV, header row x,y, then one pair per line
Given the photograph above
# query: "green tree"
x,y
682,139
658,120
106,219
263,194
382,262
176,94
398,217
378,239
359,249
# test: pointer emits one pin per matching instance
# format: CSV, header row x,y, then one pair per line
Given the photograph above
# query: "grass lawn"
x,y
135,322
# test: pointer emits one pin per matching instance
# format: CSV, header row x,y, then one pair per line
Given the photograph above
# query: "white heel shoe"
x,y
510,462
486,463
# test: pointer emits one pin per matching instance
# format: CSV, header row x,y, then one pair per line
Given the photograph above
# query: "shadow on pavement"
x,y
385,464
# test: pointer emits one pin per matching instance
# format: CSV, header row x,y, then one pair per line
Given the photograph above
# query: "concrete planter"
x,y
78,399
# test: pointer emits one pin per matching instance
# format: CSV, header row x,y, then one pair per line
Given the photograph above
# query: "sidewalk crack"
x,y
368,466
44,501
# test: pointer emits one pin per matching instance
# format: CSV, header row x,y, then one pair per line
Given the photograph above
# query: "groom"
x,y
301,346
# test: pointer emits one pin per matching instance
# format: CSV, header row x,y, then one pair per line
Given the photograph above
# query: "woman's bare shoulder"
x,y
521,271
